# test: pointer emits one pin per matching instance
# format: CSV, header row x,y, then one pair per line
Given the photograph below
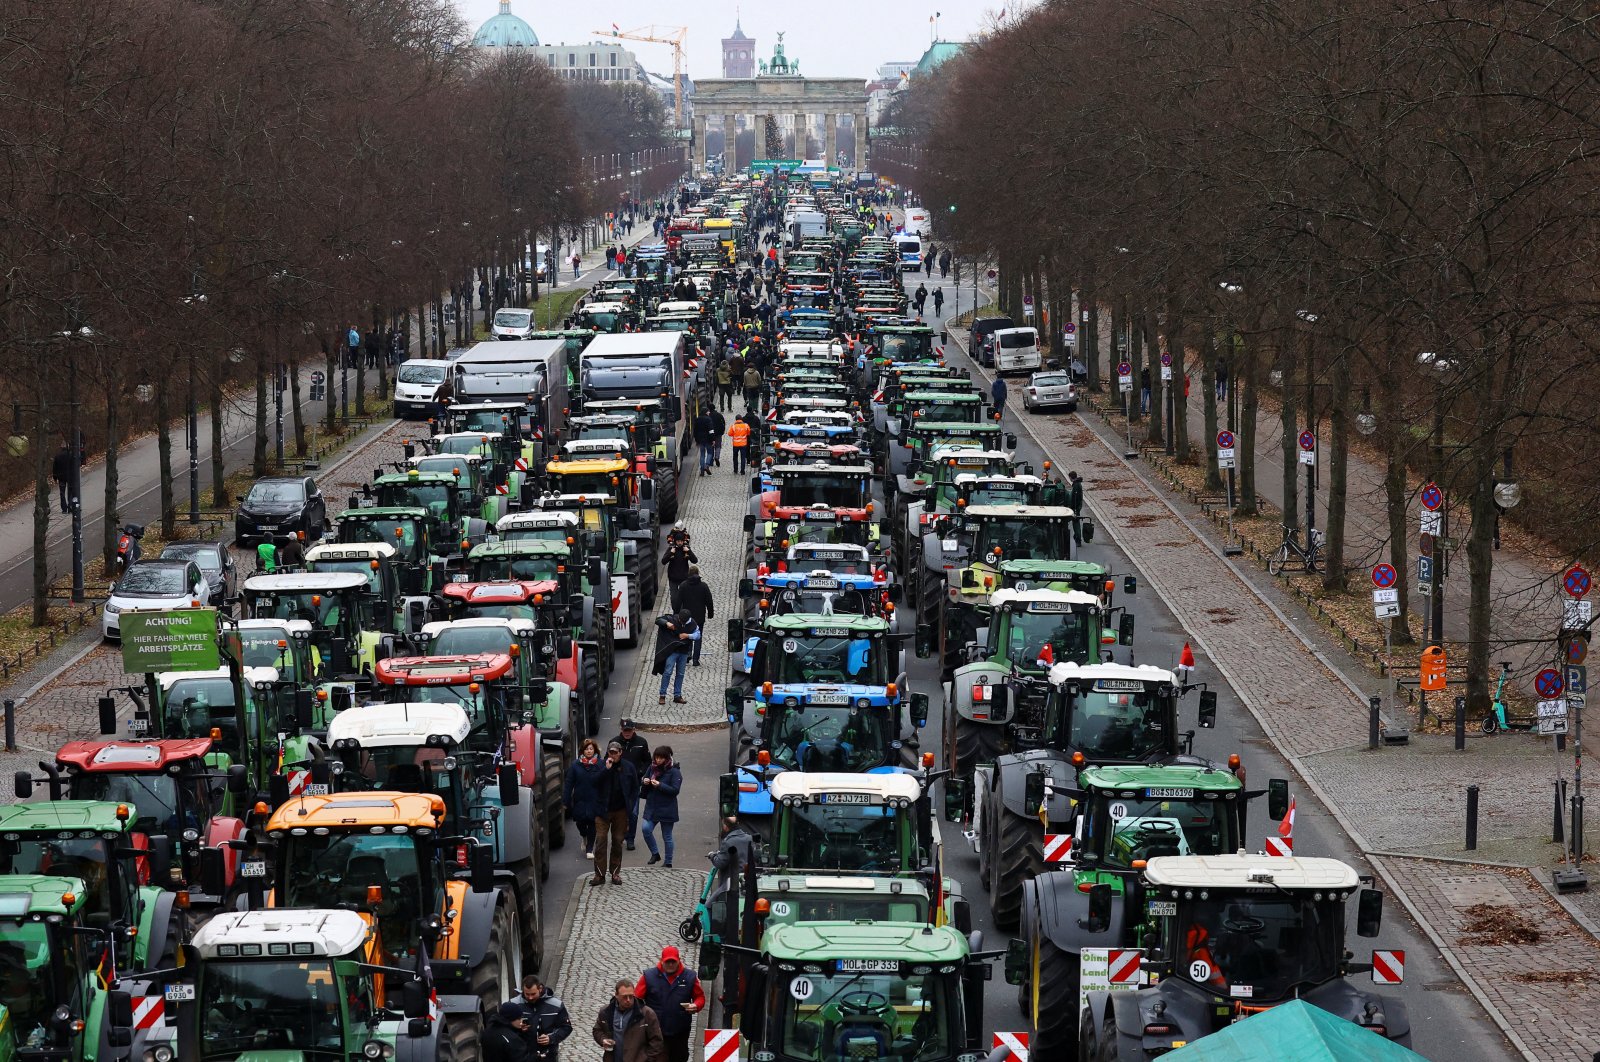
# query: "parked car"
x,y
1047,389
152,585
982,329
215,563
278,506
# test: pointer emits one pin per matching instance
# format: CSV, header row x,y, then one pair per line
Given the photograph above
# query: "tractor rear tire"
x,y
459,1040
1016,855
976,743
667,493
1056,989
496,964
530,900
554,805
594,695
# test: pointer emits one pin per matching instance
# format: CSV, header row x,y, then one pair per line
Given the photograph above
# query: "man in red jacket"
x,y
674,993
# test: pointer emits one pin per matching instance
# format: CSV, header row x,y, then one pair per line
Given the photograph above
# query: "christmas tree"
x,y
774,139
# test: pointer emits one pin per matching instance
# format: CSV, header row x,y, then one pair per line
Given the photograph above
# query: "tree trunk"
x,y
219,472
1157,390
1395,433
1338,471
1208,381
258,461
1480,569
294,406
330,370
361,383
1289,427
42,499
1249,404
1089,340
1180,380
169,505
1134,323
1114,356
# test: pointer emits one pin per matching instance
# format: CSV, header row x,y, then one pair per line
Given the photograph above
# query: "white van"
x,y
511,323
419,386
1016,350
918,222
909,248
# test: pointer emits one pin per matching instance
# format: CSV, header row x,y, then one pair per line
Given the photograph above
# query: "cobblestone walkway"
x,y
713,507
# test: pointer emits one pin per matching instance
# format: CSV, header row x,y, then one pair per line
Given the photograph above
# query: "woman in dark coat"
x,y
661,785
581,791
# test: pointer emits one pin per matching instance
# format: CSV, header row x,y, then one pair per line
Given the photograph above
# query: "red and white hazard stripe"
x,y
297,782
1016,1042
148,1011
1280,846
1122,965
521,464
722,1045
504,488
1388,967
1057,847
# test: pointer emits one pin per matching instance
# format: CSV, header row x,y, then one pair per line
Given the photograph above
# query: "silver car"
x,y
1046,389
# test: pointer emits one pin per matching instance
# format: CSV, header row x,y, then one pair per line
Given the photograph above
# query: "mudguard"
x,y
475,922
525,752
417,1048
1052,907
513,829
588,612
960,688
219,831
1010,771
1346,1000
155,924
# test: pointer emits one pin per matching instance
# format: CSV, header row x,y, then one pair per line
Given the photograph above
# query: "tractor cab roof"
x,y
346,551
121,757
1134,779
281,935
500,592
586,466
1249,873
351,812
834,944
382,512
837,626
454,670
1049,568
578,449
50,816
819,787
252,676
32,895
1043,600
290,627
513,627
539,518
372,726
413,476
1012,512
1110,678
306,583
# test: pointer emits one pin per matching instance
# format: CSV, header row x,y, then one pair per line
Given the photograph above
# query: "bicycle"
x,y
1309,559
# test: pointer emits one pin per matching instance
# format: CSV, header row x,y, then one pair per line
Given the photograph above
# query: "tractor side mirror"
x,y
353,502
1033,793
119,1007
414,999
510,791
213,872
1017,961
1011,440
955,799
919,710
1277,798
728,795
24,785
595,572
1369,913
924,640
969,579
897,593
735,634
1208,715
755,488
304,706
564,646
1125,630
238,780
1099,919
1086,530
108,715
1130,584
749,522
480,868
733,704
575,612
747,588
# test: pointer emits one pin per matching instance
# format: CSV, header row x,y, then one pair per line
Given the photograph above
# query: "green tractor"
x,y
490,488
418,560
1102,832
55,1001
350,627
439,494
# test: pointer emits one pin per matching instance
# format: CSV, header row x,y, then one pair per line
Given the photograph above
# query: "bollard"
x,y
1472,818
1461,723
11,725
1374,703
1557,825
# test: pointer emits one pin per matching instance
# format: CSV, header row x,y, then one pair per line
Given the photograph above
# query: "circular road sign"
x,y
1124,369
1308,441
1432,497
1548,683
1225,439
992,274
1577,650
1383,575
1576,582
1071,328
1166,358
1027,300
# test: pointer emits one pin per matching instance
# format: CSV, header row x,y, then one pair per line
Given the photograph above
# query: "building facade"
x,y
596,61
738,54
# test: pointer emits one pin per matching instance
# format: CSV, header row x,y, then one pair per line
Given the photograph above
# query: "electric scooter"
x,y
1498,719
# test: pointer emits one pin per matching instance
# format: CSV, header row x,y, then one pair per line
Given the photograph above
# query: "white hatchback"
x,y
152,585
1047,389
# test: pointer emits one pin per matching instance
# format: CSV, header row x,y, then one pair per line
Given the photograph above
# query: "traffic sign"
x,y
1555,724
1425,544
1577,649
1576,581
1383,575
1577,678
1576,614
1385,595
1071,328
1166,358
1386,609
1432,497
1124,369
1548,683
992,274
1308,441
1425,570
1225,439
1027,300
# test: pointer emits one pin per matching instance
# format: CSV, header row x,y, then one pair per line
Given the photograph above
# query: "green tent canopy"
x,y
1295,1030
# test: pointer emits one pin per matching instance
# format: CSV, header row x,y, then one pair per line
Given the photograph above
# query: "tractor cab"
x,y
921,437
438,494
818,592
811,484
346,619
501,430
1115,713
609,472
984,536
847,823
375,562
521,560
408,531
240,721
283,645
786,529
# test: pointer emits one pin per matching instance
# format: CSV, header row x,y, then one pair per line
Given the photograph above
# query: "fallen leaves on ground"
x,y
1497,924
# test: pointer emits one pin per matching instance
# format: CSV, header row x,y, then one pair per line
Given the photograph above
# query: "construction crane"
x,y
673,35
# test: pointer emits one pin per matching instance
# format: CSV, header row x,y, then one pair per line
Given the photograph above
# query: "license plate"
x,y
253,868
847,798
823,584
138,726
869,965
316,789
829,698
180,994
1163,908
1169,794
459,578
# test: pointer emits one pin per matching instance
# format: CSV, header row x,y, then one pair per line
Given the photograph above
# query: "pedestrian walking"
x,y
702,440
737,849
694,596
1075,503
636,750
1222,379
997,395
618,788
674,633
577,262
675,994
920,298
661,784
611,257
580,792
352,342
506,1036
373,347
1144,390
61,472
677,560
752,388
739,437
548,1021
724,385
719,428
938,302
627,1029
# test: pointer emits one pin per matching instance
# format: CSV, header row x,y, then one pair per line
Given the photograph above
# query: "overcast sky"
x,y
830,38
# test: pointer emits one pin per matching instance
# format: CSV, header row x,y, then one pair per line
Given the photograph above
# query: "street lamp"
x,y
1441,365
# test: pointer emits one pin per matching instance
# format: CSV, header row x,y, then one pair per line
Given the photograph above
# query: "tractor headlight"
x,y
377,1049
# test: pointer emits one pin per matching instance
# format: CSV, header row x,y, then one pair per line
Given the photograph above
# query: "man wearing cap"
x,y
506,1038
674,993
636,750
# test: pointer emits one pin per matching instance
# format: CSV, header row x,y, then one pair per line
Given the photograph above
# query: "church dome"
x,y
505,30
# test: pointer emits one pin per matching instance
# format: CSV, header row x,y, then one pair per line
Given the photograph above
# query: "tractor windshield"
x,y
1019,538
847,907
950,412
612,431
261,649
1039,639
845,837
251,1009
606,483
843,602
836,491
812,659
65,856
1274,944
399,768
344,868
829,738
996,492
325,611
400,532
1120,726
904,347
824,1016
153,793
456,640
463,445
501,567
1124,829
482,420
194,707
26,979
449,464
557,533
434,497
